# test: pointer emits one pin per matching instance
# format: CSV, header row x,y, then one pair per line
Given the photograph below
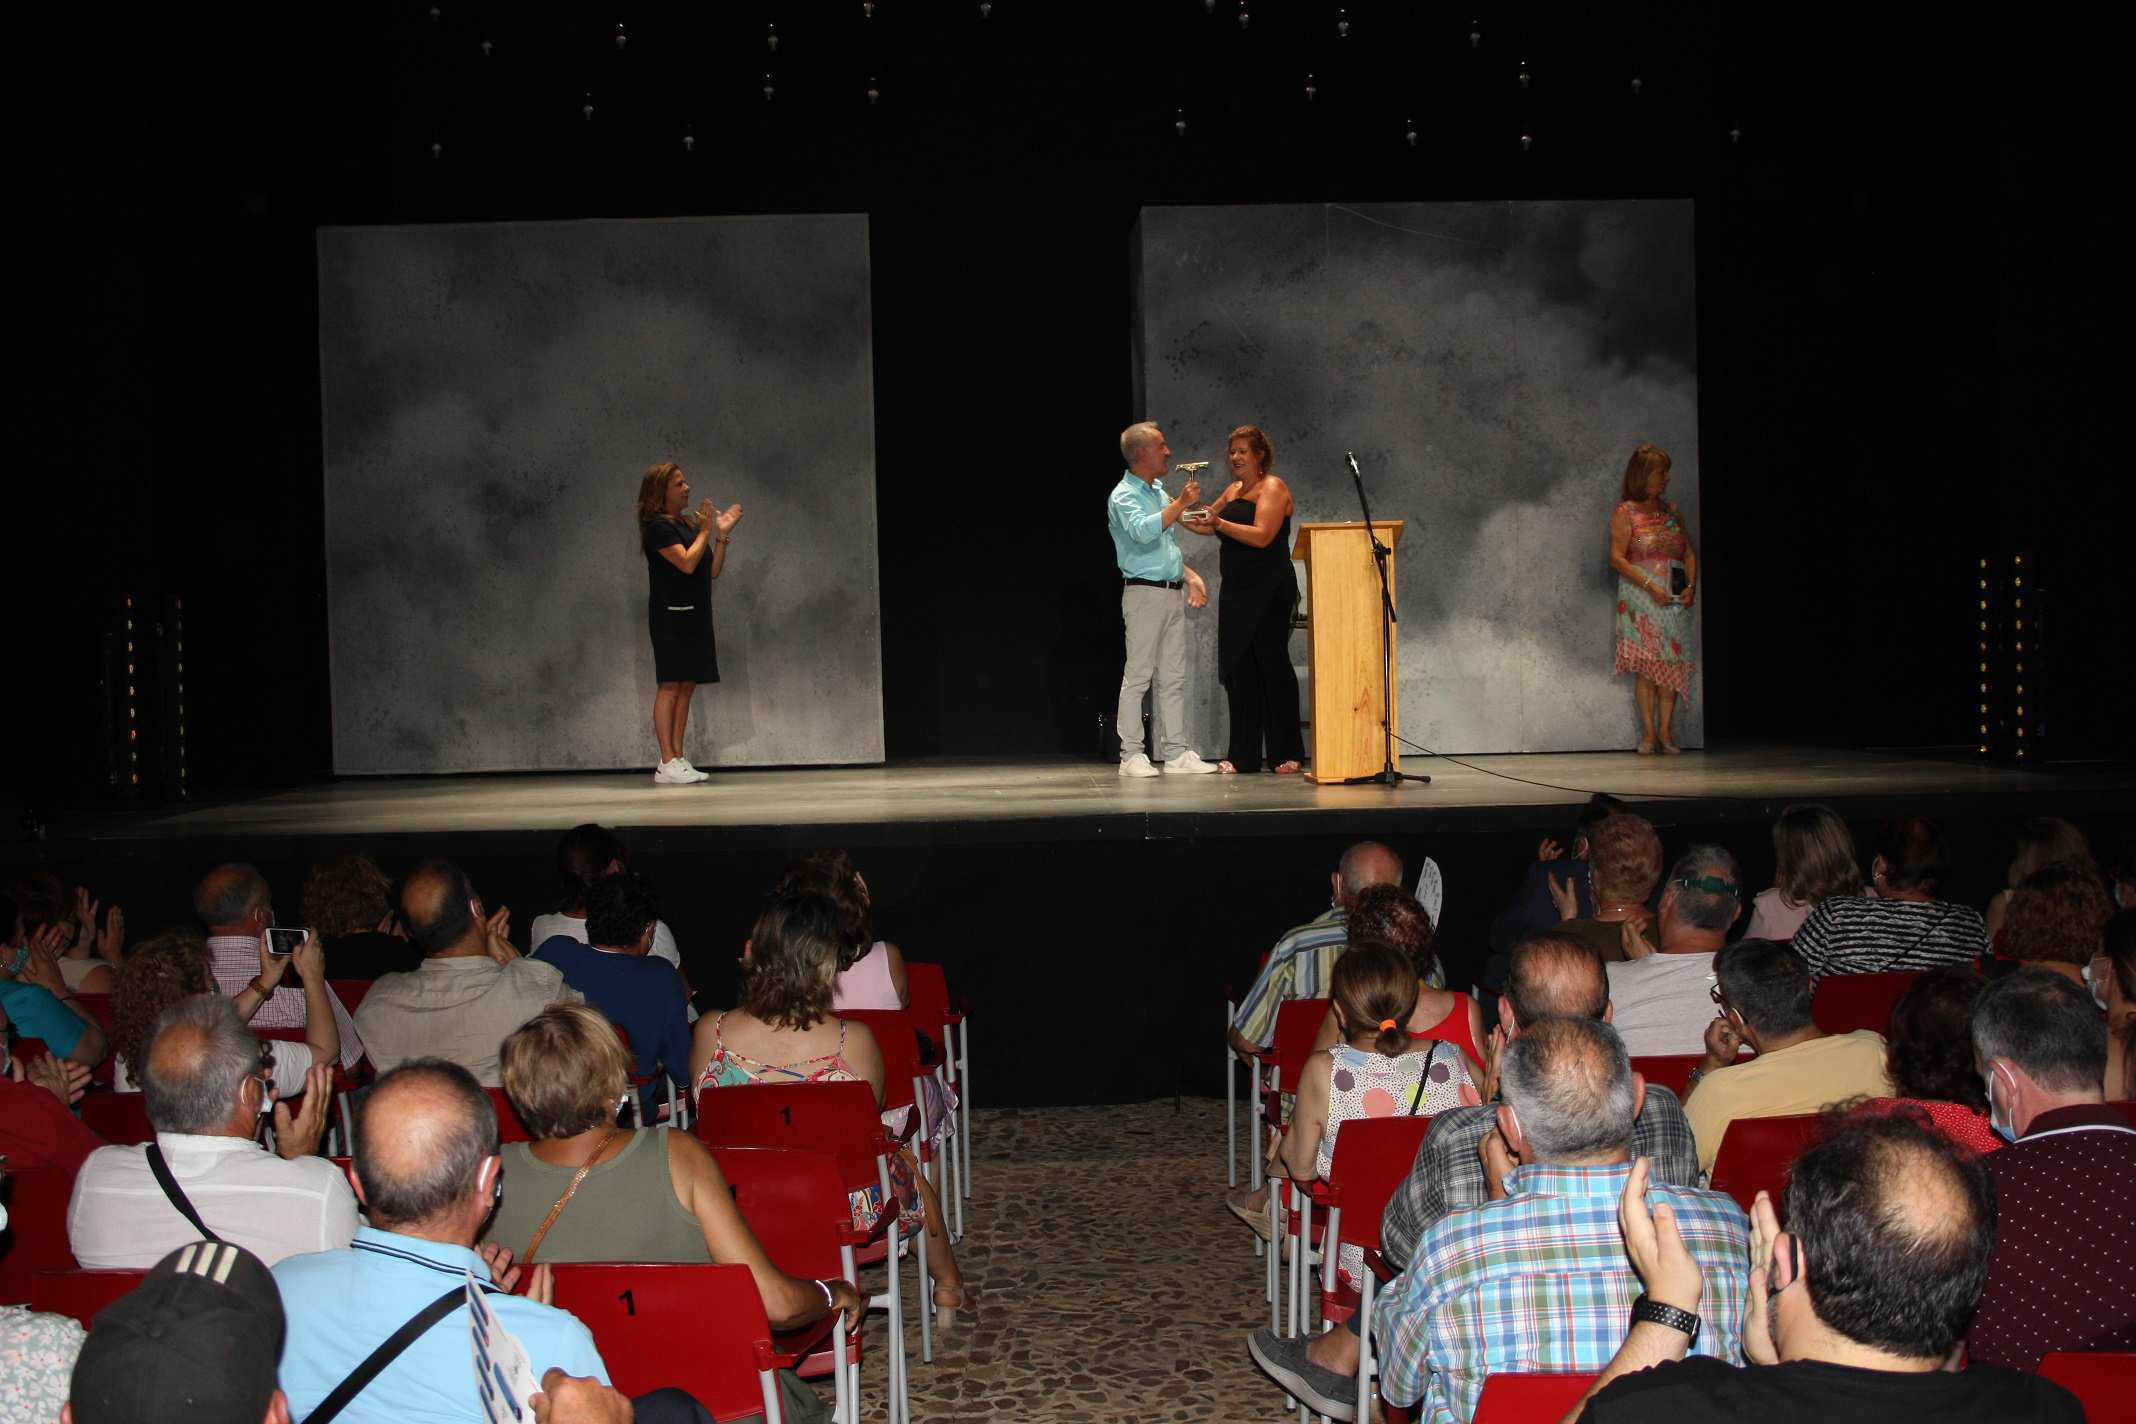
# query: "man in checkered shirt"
x,y
236,906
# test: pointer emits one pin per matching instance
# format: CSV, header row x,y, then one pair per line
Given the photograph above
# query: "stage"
x,y
1094,924
955,800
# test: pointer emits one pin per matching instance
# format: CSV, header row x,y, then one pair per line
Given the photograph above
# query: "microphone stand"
x,y
1390,773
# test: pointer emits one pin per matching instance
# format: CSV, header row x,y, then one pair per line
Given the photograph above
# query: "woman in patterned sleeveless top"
x,y
1657,577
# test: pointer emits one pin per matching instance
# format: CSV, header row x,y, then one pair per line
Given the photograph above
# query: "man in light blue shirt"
x,y
1152,571
427,1167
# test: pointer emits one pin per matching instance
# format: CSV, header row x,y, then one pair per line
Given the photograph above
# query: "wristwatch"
x,y
1656,1313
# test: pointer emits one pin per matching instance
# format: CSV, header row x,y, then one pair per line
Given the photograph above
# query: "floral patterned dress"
x,y
1424,1082
1654,639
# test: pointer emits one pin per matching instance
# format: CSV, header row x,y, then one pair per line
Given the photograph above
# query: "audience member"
x,y
471,989
1375,1068
174,966
1623,862
2041,841
1534,909
1549,976
784,1032
2061,1277
586,854
613,969
237,908
1551,1245
37,1352
2056,916
1855,1312
2113,984
1929,1058
428,1173
1899,924
38,1127
871,972
1813,860
206,1086
1298,965
348,906
1389,915
1663,995
197,1342
34,995
1764,995
92,941
585,1190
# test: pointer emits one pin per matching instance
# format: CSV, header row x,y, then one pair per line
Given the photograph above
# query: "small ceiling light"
x,y
1312,90
1475,34
1411,135
436,14
586,108
867,9
437,150
1525,76
1244,18
1342,24
1637,85
622,39
874,90
1179,122
771,37
1208,7
486,47
986,11
689,141
1735,134
769,88
1527,141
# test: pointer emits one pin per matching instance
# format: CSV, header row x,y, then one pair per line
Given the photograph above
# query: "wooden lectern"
x,y
1343,643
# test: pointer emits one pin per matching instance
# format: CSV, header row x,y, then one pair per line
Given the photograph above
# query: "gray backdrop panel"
x,y
1493,365
492,394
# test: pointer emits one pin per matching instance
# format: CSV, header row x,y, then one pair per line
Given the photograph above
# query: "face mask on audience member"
x,y
1996,1120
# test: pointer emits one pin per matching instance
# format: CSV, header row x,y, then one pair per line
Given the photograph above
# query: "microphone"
x,y
1351,456
1191,466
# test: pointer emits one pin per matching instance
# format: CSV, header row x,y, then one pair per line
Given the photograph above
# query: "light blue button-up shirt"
x,y
1142,544
341,1305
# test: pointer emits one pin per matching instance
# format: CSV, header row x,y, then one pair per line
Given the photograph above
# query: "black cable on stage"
x,y
1553,786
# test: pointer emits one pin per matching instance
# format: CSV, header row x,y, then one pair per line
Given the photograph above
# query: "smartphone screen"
x,y
281,940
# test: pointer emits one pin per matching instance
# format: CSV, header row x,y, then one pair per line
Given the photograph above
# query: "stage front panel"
x,y
492,395
1493,365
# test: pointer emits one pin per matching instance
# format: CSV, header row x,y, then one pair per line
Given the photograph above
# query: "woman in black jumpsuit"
x,y
683,554
1253,617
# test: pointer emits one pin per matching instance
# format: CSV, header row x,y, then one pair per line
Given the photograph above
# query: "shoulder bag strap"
x,y
169,1183
386,1354
526,1257
1423,1078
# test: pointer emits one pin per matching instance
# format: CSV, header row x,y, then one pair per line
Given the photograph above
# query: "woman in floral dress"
x,y
1657,578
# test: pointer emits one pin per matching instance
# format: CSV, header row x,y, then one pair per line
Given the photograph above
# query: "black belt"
x,y
1155,583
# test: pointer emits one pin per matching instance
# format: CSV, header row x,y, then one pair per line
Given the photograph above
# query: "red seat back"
x,y
36,1236
700,1329
2104,1381
98,1007
1668,1070
794,1205
350,992
927,996
80,1294
509,1127
1756,1153
1843,1003
1372,1157
838,1118
29,1050
1528,1399
895,1033
118,1117
1297,1025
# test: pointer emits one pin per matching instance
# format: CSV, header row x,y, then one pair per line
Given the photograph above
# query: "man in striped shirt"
x,y
1299,966
1539,1280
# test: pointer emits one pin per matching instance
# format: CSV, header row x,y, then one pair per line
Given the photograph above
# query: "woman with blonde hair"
x,y
583,1189
1251,519
678,608
1657,578
2041,841
1813,858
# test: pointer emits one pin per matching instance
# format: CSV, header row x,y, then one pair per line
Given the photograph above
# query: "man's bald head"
x,y
422,1137
1896,1227
1555,976
198,1059
229,894
437,905
1363,865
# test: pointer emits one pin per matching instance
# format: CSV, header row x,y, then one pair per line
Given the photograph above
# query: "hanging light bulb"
x,y
1475,34
1411,135
1179,122
1312,90
769,88
1527,141
874,90
1637,85
1244,18
1342,23
771,37
486,47
689,140
1735,133
586,108
622,39
1525,76
437,150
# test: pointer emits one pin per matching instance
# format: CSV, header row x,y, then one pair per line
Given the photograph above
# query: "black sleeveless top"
x,y
1258,585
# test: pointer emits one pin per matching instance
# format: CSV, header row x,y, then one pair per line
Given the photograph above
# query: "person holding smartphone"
x,y
684,552
1657,578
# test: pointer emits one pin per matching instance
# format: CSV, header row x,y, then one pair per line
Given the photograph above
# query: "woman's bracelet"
x,y
724,539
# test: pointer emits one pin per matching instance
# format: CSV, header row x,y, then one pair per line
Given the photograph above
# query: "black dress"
x,y
1253,628
678,608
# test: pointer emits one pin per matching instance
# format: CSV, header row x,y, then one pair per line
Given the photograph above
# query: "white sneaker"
x,y
674,773
1186,764
1137,765
696,775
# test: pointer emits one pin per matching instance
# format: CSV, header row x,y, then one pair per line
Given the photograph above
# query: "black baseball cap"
x,y
199,1340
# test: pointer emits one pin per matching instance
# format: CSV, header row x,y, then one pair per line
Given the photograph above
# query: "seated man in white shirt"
x,y
1663,996
206,1088
472,989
